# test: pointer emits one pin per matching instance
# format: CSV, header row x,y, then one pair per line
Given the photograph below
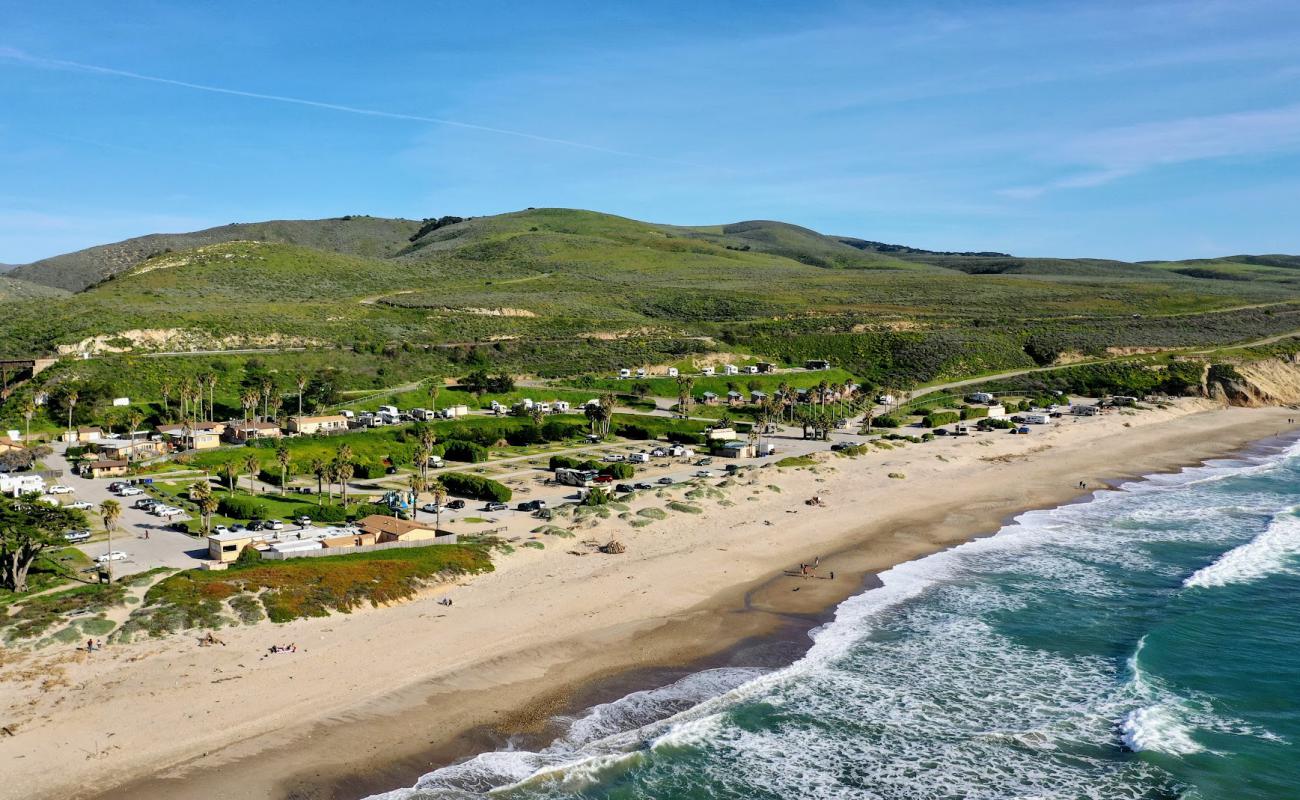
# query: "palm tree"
x,y
345,470
332,476
592,412
435,386
28,409
685,397
608,401
72,403
439,497
166,389
268,388
537,415
212,396
249,402
200,494
109,511
230,471
417,486
301,382
276,403
319,468
785,390
134,419
282,458
252,466
422,456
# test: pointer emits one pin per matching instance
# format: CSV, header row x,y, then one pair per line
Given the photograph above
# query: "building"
x,y
735,398
816,363
329,423
128,449
709,399
721,434
8,445
83,435
358,539
757,397
392,529
240,432
105,468
226,547
200,436
734,449
22,483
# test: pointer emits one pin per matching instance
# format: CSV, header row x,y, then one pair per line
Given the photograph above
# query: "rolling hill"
x,y
559,291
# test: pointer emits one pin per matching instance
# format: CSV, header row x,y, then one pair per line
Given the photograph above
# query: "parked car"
x,y
603,479
613,457
256,525
116,486
304,521
643,486
390,471
80,505
77,536
624,488
703,473
145,503
59,488
455,505
111,555
129,491
665,481
704,462
430,508
532,505
221,529
495,506
273,525
238,528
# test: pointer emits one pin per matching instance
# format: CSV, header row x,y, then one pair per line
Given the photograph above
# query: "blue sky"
x,y
1130,130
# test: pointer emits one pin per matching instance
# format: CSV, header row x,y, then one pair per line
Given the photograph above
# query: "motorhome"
x,y
575,477
1037,418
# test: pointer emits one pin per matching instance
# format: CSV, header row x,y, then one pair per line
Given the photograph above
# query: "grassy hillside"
x,y
365,236
562,293
12,289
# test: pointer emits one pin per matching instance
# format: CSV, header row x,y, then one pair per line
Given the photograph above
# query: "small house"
x,y
721,434
734,449
735,398
226,547
83,435
757,397
307,426
240,432
709,399
392,529
128,449
105,468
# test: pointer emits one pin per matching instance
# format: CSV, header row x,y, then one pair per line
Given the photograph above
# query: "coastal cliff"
x,y
1266,382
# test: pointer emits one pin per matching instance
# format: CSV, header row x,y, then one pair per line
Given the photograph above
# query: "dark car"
x,y
455,505
391,471
643,486
256,525
624,488
666,481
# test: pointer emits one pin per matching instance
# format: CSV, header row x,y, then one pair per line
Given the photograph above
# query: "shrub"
x,y
330,513
367,470
368,509
974,412
633,432
238,507
682,437
886,421
249,555
473,486
563,462
596,497
469,452
621,470
937,418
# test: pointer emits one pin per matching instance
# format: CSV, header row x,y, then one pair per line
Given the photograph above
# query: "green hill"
x,y
13,289
360,235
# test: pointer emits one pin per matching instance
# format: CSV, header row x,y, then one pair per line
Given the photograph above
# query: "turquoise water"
x,y
1144,644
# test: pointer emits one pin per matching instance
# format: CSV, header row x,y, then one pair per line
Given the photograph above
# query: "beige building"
x,y
240,432
226,547
331,423
106,468
392,529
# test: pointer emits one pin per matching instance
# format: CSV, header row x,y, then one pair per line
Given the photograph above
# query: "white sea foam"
x,y
944,705
1275,550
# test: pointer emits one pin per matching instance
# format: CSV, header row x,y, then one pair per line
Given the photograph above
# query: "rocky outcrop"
x,y
1267,382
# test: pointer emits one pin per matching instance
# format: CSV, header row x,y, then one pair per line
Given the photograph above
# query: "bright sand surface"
x,y
374,698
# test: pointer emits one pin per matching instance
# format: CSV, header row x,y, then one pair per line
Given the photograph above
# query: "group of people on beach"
x,y
284,648
810,570
92,645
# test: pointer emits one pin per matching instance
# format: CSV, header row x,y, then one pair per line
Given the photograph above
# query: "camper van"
x,y
1037,418
575,477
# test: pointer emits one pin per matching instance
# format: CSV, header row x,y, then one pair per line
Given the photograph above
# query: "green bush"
x,y
469,452
938,418
620,470
330,513
638,432
367,470
563,462
476,487
367,509
886,421
238,507
974,412
249,555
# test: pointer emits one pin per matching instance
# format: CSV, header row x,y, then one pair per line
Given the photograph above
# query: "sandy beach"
x,y
373,699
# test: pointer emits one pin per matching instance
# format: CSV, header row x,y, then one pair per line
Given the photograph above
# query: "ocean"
x,y
1143,644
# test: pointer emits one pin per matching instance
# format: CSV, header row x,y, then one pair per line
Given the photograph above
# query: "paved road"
x,y
163,548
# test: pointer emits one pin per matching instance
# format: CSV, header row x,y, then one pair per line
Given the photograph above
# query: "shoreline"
x,y
385,740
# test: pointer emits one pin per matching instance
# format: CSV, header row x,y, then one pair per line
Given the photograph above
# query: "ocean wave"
x,y
1270,552
1158,728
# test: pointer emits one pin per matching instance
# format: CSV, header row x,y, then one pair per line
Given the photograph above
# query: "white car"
x,y
80,505
430,508
613,457
273,525
130,491
59,488
111,555
704,473
221,529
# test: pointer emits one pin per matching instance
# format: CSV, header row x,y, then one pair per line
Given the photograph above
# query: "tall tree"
x,y
252,466
165,388
201,495
72,398
685,396
439,492
319,468
283,459
28,528
417,485
134,419
435,386
230,471
345,470
109,512
300,380
28,409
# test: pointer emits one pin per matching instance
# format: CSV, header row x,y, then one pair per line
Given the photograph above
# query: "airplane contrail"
x,y
55,63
